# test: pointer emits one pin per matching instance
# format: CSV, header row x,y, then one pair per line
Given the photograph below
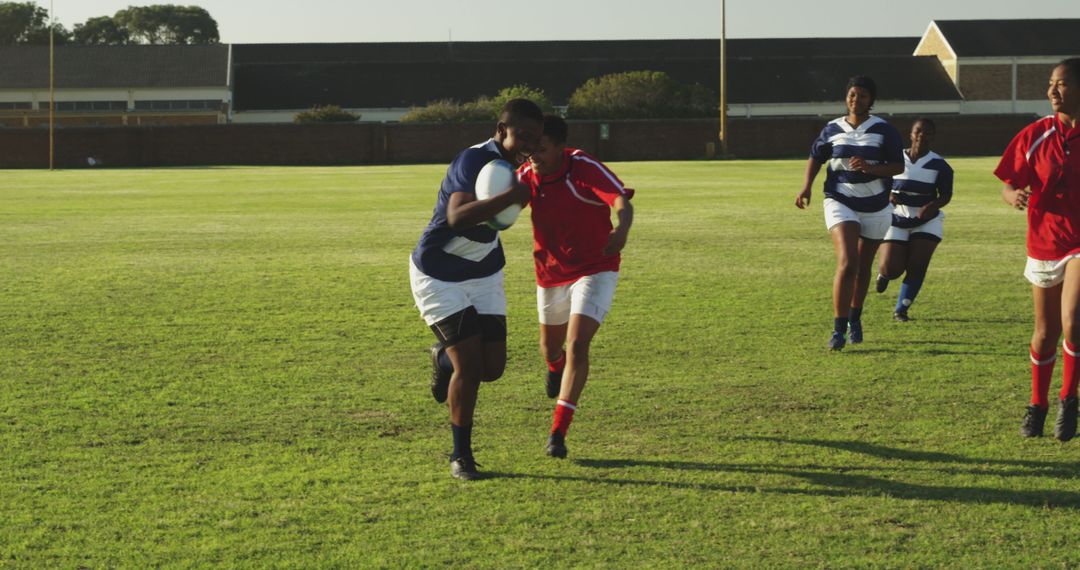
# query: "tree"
x,y
102,30
28,23
521,91
168,24
483,108
326,114
640,95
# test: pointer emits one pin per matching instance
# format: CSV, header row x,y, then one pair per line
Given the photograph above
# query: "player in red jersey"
x,y
576,254
1041,174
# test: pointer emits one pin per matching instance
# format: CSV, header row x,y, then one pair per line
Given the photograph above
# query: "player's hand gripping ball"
x,y
498,177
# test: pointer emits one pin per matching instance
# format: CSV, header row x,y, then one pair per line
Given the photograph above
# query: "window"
x,y
179,105
87,106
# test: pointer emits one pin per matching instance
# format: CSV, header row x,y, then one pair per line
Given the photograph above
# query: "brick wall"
x,y
1032,80
986,82
397,143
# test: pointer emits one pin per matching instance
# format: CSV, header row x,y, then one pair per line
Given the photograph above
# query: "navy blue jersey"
x,y
458,255
923,181
875,141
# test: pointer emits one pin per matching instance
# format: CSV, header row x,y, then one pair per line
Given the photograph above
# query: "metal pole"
x,y
52,91
723,79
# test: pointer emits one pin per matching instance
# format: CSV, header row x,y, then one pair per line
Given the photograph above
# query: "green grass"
x,y
223,367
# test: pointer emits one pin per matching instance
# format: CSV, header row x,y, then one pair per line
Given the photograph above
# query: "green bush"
x,y
640,95
326,114
482,109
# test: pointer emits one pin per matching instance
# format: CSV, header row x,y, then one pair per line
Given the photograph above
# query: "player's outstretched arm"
x,y
464,211
812,169
624,211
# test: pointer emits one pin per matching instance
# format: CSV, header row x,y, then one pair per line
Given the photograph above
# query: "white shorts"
x,y
440,299
590,296
874,225
1046,274
934,227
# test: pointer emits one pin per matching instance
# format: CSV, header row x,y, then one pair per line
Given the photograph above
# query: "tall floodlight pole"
x,y
52,90
723,79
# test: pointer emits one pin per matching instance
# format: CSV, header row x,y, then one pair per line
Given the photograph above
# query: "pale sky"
x,y
288,21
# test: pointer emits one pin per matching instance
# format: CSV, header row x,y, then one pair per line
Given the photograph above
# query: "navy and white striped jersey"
x,y
877,142
923,181
450,255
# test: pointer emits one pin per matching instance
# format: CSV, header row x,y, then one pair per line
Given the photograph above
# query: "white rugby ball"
x,y
497,177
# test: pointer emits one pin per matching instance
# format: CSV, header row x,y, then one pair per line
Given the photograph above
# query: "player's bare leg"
x,y
894,256
580,332
845,238
918,262
1044,339
468,358
1065,426
867,250
552,339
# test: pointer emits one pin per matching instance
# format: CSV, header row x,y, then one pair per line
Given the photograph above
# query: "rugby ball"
x,y
497,177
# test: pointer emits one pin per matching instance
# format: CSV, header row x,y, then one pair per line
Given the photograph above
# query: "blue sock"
x,y
462,441
855,314
444,361
908,290
840,325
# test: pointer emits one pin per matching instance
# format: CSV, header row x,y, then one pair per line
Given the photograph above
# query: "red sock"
x,y
564,414
558,364
1042,367
1068,387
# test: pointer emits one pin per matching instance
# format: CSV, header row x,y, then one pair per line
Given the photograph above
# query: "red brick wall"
x,y
369,143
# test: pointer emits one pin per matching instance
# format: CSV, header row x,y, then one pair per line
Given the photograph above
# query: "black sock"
x,y
462,441
840,325
855,314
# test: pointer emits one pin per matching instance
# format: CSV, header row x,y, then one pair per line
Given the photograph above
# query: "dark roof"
x,y
1009,38
788,47
282,76
27,67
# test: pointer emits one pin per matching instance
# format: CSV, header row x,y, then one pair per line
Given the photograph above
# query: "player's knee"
x,y
578,349
493,371
847,268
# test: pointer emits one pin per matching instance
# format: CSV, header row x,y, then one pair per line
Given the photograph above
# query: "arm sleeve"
x,y
462,173
821,149
945,181
892,148
601,180
1013,169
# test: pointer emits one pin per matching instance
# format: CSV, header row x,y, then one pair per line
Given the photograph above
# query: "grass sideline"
x,y
223,367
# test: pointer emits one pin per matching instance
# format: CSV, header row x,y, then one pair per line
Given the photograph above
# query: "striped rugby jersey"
x,y
877,142
922,181
451,255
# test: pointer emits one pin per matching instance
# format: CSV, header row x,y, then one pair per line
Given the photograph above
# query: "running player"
x,y
457,279
918,194
862,152
576,255
1041,174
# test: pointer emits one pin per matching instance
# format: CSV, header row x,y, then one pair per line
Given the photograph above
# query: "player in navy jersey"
x,y
918,195
862,153
457,280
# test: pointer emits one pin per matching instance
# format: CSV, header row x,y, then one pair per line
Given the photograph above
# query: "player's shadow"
x,y
842,480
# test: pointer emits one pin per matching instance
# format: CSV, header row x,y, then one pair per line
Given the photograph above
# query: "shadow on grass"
x,y
833,481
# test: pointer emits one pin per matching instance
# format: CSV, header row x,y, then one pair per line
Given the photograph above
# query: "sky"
x,y
289,21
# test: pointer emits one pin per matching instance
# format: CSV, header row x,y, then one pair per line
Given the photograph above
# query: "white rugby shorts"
x,y
438,300
934,227
1048,273
874,225
590,296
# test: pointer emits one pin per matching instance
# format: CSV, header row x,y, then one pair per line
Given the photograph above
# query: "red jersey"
x,y
1039,158
571,216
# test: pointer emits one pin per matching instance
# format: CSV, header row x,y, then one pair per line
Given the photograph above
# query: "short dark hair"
x,y
864,82
926,123
515,109
1072,65
555,128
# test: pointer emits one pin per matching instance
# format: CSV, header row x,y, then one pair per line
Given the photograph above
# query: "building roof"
x,y
89,67
1011,38
283,76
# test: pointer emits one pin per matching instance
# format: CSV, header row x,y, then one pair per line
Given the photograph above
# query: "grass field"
x,y
223,367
